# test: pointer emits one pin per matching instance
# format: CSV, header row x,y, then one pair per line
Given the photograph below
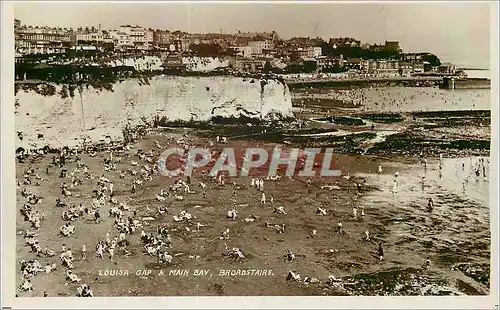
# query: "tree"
x,y
205,50
432,59
309,66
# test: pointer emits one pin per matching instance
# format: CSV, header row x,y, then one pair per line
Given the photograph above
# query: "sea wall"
x,y
100,113
477,83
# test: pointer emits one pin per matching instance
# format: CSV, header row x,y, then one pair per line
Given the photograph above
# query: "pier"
x,y
444,82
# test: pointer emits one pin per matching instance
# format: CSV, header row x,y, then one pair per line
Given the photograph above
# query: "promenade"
x,y
294,81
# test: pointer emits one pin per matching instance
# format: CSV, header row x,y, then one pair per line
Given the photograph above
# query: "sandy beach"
x,y
454,236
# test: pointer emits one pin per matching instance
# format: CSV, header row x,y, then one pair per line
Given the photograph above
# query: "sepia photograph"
x,y
245,149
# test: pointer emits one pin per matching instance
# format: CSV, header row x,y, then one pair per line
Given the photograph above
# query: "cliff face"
x,y
65,121
203,64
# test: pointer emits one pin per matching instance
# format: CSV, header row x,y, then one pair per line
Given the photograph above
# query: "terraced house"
x,y
41,40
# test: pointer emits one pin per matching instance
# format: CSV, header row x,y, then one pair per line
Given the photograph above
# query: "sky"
x,y
457,32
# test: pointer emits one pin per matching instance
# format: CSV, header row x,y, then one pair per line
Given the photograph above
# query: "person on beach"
x,y
69,254
358,187
97,216
100,250
427,264
111,252
355,213
84,252
430,205
379,169
263,199
380,252
367,235
340,230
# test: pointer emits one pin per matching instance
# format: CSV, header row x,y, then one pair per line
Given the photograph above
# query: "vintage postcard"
x,y
325,150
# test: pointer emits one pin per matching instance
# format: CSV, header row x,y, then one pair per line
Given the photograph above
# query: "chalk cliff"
x,y
100,113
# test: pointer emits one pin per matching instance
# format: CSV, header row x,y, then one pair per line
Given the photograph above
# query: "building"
x,y
298,54
392,46
180,45
411,56
377,47
261,47
405,68
325,62
354,63
17,25
344,42
427,66
121,40
244,51
173,64
162,39
418,67
271,36
97,40
247,65
238,41
384,67
133,37
446,68
42,40
137,37
197,38
314,52
149,39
